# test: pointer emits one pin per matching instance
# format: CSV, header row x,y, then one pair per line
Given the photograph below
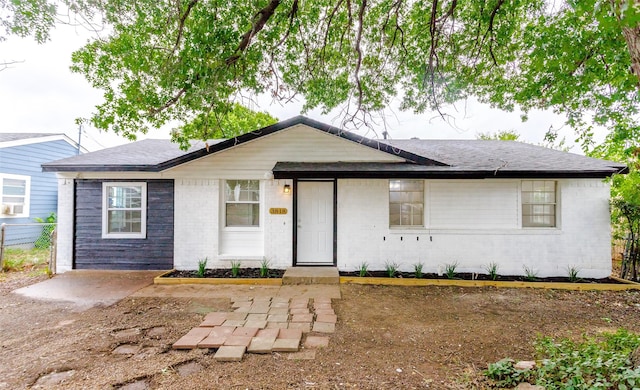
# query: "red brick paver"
x,y
264,325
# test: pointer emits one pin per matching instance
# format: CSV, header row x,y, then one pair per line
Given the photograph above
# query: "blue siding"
x,y
27,160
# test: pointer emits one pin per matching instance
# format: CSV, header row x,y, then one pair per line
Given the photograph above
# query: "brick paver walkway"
x,y
264,325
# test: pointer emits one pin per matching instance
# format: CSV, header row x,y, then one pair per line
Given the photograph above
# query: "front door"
x,y
315,224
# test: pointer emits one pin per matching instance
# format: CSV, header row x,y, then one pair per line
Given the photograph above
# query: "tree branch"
x,y
181,22
262,17
358,50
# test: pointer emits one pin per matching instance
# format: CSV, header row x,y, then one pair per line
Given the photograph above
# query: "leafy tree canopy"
x,y
176,60
504,135
238,120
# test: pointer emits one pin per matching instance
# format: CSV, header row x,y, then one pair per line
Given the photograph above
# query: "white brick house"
x,y
304,193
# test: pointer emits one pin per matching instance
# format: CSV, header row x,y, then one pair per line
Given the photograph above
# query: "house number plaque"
x,y
278,210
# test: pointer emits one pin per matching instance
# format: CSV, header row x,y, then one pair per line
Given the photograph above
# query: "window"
x,y
14,192
242,202
538,203
124,211
406,202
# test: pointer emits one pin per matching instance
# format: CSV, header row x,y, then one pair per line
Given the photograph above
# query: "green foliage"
x,y
504,135
417,270
450,270
530,274
215,125
391,268
363,270
235,268
202,267
27,18
492,270
264,268
44,241
23,259
572,273
189,61
593,363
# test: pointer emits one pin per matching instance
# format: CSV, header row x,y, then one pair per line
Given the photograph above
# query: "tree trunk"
x,y
632,37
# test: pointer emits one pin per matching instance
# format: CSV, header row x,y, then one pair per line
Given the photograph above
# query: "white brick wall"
x,y
197,235
64,254
278,243
196,205
581,241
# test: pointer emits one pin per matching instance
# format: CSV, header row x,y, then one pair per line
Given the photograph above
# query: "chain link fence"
x,y
24,245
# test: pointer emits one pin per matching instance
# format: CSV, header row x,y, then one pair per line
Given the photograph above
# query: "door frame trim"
x,y
295,221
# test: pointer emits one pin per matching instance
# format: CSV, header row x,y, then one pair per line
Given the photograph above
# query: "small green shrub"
x,y
235,268
530,274
391,268
417,269
601,362
450,270
264,268
202,267
44,241
363,270
492,270
572,273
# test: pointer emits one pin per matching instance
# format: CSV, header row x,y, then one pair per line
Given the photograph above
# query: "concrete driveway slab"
x,y
85,289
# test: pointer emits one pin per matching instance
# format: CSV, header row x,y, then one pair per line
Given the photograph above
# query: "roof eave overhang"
x,y
442,174
100,168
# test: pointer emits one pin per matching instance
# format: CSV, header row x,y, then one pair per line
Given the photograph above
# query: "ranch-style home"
x,y
301,192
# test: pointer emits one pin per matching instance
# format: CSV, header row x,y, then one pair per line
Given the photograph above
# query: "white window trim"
x,y
409,228
105,209
27,197
223,208
558,219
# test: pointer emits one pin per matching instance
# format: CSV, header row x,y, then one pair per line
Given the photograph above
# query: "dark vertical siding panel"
x,y
153,252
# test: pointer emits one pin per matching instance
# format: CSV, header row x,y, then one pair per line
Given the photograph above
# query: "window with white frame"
x,y
406,203
539,203
242,203
14,191
124,211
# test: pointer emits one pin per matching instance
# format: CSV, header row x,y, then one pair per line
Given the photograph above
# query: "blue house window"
x,y
124,211
15,196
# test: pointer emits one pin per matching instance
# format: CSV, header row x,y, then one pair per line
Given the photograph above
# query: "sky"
x,y
39,94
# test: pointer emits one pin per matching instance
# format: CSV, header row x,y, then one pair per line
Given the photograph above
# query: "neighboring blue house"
x,y
25,191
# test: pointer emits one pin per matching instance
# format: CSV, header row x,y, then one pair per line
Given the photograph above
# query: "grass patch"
x,y
492,270
363,270
264,268
450,270
235,268
417,268
25,259
391,268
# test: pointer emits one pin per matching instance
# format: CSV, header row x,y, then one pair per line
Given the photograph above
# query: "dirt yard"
x,y
386,337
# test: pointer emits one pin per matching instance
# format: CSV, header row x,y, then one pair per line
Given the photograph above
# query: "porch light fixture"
x,y
287,189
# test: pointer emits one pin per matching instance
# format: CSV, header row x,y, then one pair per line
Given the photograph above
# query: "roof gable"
x,y
160,155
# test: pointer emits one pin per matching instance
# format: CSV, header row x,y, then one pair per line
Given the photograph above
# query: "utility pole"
x,y
79,138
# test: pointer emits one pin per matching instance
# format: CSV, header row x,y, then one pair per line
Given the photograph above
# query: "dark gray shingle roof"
x,y
502,155
425,158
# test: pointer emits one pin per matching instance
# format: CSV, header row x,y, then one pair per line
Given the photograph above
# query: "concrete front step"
x,y
311,275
